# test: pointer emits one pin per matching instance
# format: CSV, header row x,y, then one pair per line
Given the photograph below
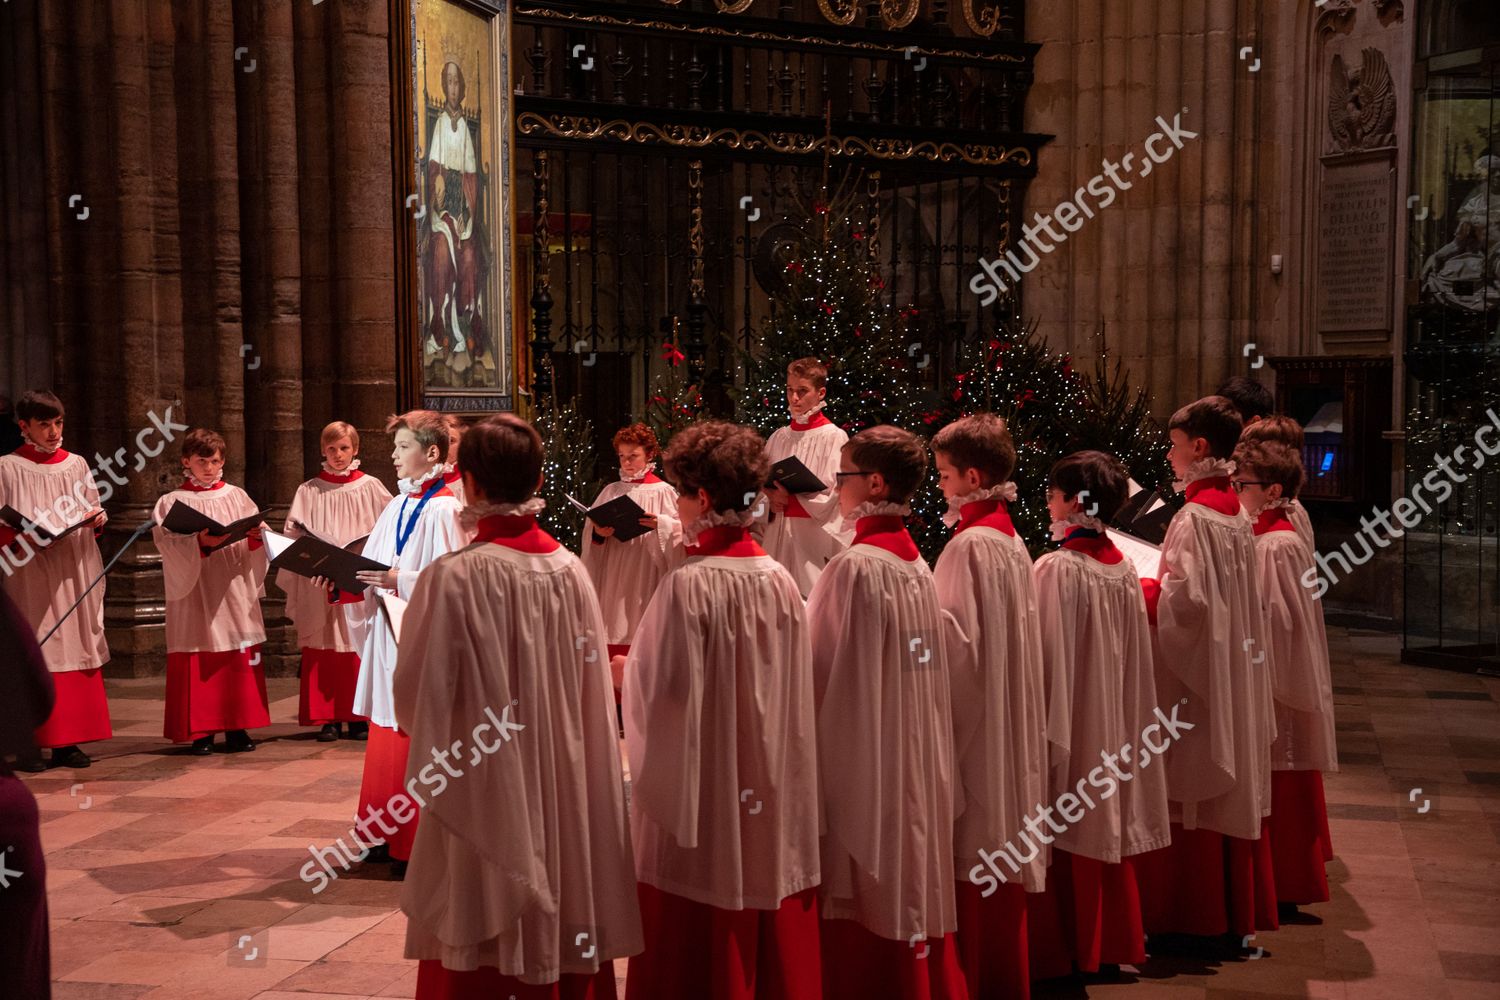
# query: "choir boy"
x,y
1250,399
520,882
983,580
1097,642
1211,673
885,742
339,505
625,574
720,730
415,528
805,530
1284,430
1268,475
54,488
215,680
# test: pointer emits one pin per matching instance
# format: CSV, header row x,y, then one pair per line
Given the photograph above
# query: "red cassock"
x,y
887,770
211,693
720,729
1210,659
1101,696
215,680
81,712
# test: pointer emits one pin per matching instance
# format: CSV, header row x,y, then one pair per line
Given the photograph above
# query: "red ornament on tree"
x,y
672,355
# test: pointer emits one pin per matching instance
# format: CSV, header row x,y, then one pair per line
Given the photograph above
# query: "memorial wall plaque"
x,y
1356,236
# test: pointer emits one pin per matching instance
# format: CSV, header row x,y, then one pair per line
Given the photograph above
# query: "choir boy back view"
x,y
719,724
520,881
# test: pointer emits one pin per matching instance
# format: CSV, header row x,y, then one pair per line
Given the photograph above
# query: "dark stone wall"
x,y
237,259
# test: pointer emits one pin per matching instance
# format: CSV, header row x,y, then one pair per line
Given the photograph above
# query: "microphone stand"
x,y
147,526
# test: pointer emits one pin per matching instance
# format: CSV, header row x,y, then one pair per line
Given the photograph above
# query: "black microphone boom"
x,y
147,526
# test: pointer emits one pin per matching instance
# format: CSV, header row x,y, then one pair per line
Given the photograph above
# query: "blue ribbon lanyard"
x,y
402,537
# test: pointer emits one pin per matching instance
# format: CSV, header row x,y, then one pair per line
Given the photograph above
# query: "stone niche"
x,y
1359,81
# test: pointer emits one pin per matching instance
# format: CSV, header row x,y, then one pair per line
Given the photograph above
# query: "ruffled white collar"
x,y
1005,491
471,515
714,519
204,484
347,470
43,448
415,485
1204,468
1077,519
1272,505
807,414
875,508
650,468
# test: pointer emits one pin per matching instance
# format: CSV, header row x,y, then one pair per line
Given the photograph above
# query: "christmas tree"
x,y
567,467
1052,411
829,306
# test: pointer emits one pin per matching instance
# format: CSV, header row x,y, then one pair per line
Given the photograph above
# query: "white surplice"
x,y
529,847
436,532
625,574
805,544
52,577
1097,642
213,602
995,665
721,732
1210,662
1298,650
1302,523
337,513
885,745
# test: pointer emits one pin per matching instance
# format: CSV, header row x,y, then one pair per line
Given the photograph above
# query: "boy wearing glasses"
x,y
1211,676
804,532
1268,475
885,741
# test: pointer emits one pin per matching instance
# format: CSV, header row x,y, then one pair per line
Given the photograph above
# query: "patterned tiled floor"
x,y
173,878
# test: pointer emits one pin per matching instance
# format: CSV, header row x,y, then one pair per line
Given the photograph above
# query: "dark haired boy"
x,y
885,741
54,488
215,681
1211,676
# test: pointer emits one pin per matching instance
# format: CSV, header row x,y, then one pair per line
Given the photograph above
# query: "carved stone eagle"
x,y
1361,104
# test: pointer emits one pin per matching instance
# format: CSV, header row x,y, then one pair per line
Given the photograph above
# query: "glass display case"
x,y
1452,352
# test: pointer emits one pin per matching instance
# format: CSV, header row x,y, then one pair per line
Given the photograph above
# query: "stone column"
x,y
234,214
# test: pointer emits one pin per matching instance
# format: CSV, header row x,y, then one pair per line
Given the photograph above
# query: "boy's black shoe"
x,y
69,756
